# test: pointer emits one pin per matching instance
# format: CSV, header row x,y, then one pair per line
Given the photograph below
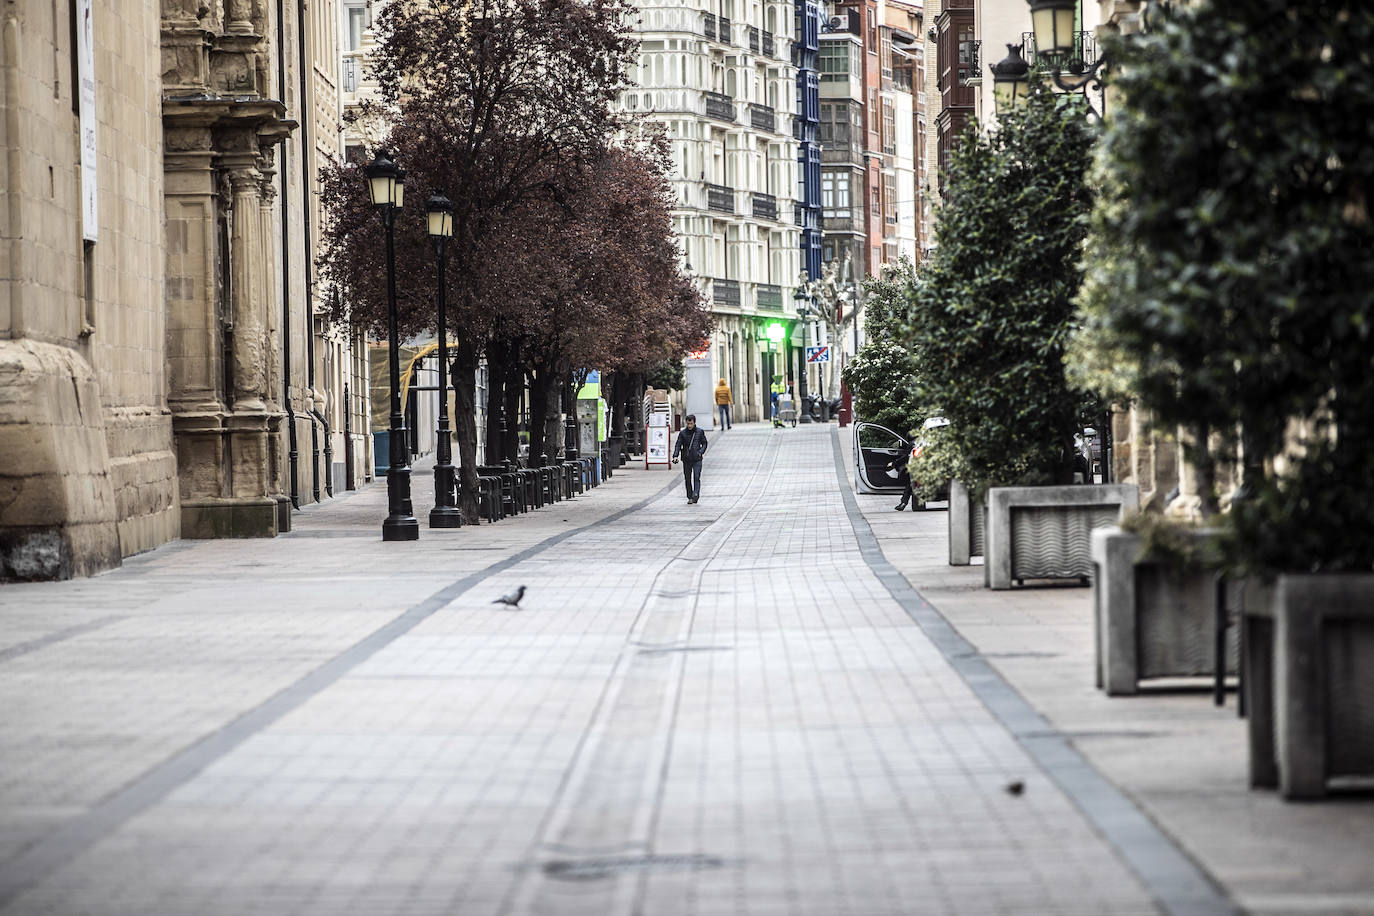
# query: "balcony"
x,y
765,206
761,117
352,71
709,26
770,297
768,47
725,292
725,35
754,39
720,198
720,106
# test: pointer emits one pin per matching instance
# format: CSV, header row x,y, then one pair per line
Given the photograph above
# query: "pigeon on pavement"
x,y
513,599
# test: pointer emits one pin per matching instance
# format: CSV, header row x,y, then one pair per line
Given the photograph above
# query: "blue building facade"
x,y
804,54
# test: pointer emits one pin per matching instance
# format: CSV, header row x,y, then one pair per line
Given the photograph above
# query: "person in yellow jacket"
x,y
778,389
724,400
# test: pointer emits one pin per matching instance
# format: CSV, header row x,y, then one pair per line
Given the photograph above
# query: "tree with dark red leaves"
x,y
562,254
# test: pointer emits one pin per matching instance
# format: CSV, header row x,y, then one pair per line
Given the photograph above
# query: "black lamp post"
x,y
445,514
802,300
385,183
1010,81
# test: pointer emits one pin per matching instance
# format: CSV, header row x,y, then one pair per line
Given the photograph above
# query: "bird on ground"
x,y
1015,788
513,599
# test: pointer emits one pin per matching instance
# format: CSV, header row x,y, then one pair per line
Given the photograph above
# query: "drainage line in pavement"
x,y
77,835
1174,880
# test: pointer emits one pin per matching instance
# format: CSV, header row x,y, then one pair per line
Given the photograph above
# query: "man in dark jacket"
x,y
691,445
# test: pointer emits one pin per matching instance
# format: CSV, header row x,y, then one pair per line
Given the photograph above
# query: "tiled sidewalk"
x,y
1178,757
713,709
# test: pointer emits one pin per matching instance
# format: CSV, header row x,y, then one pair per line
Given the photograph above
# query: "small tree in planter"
x,y
884,374
993,311
1230,275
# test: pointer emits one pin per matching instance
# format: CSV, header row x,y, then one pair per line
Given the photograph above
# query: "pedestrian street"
x,y
722,708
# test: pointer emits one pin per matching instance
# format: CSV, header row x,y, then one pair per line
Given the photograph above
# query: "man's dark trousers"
x,y
724,415
691,476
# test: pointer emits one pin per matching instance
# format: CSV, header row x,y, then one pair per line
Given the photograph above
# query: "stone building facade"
x,y
151,357
718,74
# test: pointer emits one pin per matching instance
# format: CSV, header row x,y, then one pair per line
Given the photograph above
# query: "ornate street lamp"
x,y
387,190
1010,81
1054,22
1067,54
439,211
803,301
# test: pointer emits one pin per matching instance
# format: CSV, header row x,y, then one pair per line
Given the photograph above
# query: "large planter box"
x,y
1308,644
1152,619
966,522
1046,532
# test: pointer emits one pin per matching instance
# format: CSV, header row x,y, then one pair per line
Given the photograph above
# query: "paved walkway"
x,y
737,707
1175,755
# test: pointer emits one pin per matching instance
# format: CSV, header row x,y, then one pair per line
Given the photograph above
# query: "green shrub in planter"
x,y
884,375
1230,282
992,312
1230,287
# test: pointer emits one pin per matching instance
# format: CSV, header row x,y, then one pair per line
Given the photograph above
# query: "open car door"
x,y
874,448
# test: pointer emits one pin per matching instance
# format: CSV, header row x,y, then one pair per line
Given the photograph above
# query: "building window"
x,y
833,61
889,128
873,110
835,195
357,24
889,201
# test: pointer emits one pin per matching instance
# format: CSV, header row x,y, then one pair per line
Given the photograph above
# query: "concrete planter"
x,y
1045,532
966,523
1152,619
1308,644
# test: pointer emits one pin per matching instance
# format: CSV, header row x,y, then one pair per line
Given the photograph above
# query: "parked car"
x,y
877,447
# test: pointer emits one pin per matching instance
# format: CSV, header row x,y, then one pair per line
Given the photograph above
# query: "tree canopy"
x,y
562,254
991,312
1230,281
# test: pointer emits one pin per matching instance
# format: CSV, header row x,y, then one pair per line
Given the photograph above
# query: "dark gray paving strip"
x,y
85,830
1177,884
33,645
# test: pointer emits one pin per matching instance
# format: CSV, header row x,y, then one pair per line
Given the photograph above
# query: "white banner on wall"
x,y
85,68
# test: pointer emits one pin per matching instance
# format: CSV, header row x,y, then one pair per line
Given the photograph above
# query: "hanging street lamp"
x,y
1010,81
1068,55
385,184
439,211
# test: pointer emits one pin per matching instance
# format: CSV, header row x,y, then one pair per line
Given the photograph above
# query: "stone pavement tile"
x,y
1174,754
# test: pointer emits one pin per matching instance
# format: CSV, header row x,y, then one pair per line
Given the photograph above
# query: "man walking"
x,y
724,400
691,445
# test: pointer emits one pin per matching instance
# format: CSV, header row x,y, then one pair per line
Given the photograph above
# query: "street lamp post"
x,y
804,316
445,514
386,186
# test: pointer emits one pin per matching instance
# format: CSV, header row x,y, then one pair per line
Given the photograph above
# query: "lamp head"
x,y
1010,80
439,211
1053,22
381,180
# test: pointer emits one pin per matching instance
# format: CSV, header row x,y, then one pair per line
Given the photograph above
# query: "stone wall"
x,y
88,474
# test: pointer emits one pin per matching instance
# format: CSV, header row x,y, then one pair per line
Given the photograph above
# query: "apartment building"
x,y
719,76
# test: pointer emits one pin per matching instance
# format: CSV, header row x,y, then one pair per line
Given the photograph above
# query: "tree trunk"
x,y
539,407
496,367
465,421
511,384
1206,472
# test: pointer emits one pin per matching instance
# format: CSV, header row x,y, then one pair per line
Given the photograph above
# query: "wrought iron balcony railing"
x,y
761,117
719,197
719,105
765,206
725,292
